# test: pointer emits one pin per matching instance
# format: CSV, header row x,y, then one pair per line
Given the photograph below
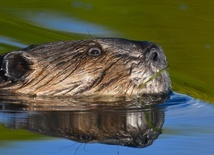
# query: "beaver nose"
x,y
152,51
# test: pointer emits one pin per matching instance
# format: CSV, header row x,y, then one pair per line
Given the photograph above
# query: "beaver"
x,y
102,66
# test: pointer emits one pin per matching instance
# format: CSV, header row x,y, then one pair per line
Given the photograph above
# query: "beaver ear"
x,y
15,65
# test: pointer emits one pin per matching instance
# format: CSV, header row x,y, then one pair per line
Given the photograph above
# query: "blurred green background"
x,y
185,30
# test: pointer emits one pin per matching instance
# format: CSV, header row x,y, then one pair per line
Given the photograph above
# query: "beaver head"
x,y
105,66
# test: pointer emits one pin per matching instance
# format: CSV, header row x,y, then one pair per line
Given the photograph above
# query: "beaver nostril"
x,y
154,56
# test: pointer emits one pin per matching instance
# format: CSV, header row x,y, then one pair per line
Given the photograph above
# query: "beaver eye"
x,y
94,51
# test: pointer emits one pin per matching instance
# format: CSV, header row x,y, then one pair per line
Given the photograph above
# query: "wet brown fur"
x,y
66,68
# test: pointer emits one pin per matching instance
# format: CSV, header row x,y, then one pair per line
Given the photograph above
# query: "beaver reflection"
x,y
134,128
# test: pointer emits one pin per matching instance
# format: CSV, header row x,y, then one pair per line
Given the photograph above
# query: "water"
x,y
182,125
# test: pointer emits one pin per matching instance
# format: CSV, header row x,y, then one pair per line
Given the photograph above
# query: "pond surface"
x,y
182,125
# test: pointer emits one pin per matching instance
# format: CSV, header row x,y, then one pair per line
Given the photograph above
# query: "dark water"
x,y
182,125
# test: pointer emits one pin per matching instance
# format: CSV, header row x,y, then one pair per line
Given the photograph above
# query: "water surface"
x,y
182,125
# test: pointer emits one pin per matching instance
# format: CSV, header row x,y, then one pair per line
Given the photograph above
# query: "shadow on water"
x,y
127,123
